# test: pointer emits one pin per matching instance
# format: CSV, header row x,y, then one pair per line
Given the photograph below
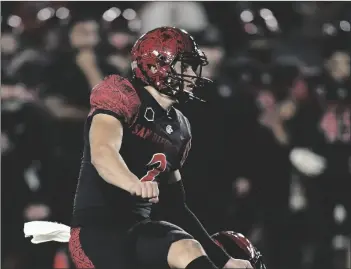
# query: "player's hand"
x,y
146,190
237,263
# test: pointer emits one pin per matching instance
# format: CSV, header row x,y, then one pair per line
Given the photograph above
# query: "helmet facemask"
x,y
175,81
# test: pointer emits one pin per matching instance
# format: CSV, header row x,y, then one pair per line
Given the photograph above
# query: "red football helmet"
x,y
239,247
161,48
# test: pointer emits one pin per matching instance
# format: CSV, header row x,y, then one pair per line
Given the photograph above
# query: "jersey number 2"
x,y
161,161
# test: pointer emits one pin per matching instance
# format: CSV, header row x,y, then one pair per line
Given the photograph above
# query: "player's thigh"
x,y
153,240
100,249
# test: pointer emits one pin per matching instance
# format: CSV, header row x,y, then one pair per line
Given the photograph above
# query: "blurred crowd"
x,y
271,154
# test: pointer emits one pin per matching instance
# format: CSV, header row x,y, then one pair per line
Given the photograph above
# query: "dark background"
x,y
282,81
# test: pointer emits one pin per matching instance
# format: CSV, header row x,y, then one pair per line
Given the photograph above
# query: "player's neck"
x,y
164,101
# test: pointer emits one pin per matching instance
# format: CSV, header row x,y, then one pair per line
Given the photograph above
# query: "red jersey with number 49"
x,y
155,142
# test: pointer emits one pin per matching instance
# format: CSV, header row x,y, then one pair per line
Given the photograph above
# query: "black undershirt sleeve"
x,y
177,212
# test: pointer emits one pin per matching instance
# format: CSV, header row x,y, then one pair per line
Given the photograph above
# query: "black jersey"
x,y
155,142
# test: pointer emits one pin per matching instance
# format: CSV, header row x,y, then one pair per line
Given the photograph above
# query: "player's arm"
x,y
181,215
105,137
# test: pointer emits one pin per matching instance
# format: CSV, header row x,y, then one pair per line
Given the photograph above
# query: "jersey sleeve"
x,y
117,97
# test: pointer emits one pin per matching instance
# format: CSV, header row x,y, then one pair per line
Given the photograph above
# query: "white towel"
x,y
44,231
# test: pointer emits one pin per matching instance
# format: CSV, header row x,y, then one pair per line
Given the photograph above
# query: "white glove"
x,y
307,162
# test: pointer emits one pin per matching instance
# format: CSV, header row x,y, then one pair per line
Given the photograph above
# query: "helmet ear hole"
x,y
162,58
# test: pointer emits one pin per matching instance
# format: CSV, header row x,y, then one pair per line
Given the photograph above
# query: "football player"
x,y
136,141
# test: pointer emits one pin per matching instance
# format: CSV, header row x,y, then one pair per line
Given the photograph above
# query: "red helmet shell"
x,y
159,48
